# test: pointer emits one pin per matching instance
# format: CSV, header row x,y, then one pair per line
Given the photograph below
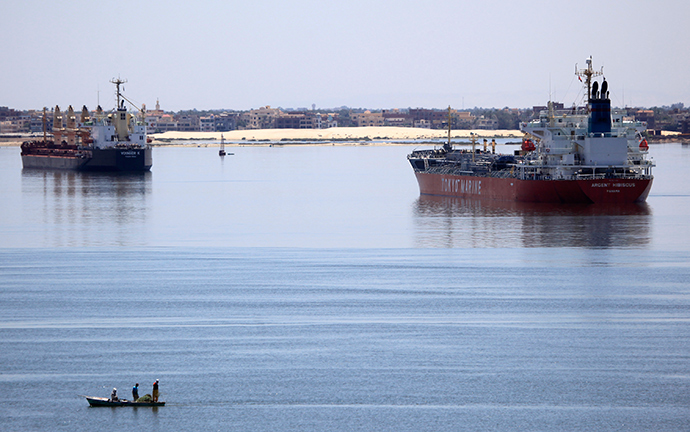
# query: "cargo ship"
x,y
113,141
590,154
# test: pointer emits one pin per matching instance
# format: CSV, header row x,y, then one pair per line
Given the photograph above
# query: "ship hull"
x,y
111,159
53,162
600,191
115,159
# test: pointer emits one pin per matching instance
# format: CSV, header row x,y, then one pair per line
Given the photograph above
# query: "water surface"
x,y
312,288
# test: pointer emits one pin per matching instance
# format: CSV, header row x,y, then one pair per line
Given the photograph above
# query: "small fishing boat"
x,y
105,402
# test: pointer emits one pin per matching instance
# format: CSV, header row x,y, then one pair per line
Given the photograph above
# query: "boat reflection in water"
x,y
461,222
81,208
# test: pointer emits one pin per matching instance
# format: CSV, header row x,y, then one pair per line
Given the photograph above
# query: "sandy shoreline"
x,y
332,134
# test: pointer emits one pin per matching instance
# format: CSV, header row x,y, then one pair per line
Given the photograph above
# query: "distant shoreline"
x,y
384,135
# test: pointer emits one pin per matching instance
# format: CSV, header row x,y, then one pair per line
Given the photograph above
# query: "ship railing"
x,y
531,174
637,176
504,173
426,154
546,172
546,176
448,170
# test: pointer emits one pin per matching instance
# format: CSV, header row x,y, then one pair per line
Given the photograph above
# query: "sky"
x,y
375,54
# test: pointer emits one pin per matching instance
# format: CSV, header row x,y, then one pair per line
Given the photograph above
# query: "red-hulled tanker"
x,y
587,155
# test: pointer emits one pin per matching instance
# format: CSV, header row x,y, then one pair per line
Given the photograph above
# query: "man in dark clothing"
x,y
154,394
135,392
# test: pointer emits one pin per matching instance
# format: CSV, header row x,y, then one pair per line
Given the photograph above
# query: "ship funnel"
x,y
604,89
599,110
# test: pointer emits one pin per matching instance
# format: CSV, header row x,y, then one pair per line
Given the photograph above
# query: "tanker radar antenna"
x,y
588,74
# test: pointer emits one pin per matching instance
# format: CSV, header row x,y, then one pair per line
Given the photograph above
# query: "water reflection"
x,y
70,208
457,222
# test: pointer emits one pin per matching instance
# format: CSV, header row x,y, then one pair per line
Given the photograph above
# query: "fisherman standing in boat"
x,y
154,393
135,392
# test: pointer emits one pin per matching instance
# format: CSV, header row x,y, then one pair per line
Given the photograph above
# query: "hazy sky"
x,y
369,53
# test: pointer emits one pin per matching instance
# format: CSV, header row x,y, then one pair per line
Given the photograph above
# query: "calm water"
x,y
312,288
